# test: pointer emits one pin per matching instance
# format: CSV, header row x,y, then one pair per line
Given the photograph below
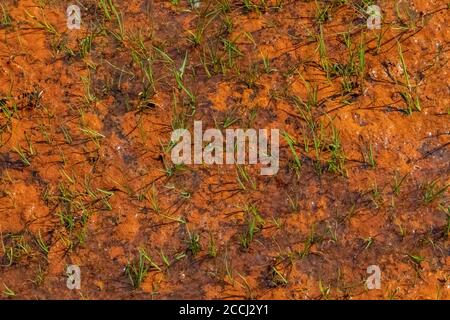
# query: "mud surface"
x,y
87,178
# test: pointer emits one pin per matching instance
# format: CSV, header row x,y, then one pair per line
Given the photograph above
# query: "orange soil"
x,y
354,216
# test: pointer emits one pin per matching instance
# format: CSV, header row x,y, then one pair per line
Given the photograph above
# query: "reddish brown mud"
x,y
87,179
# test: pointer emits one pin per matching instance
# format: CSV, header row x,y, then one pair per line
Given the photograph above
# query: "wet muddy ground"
x,y
87,178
